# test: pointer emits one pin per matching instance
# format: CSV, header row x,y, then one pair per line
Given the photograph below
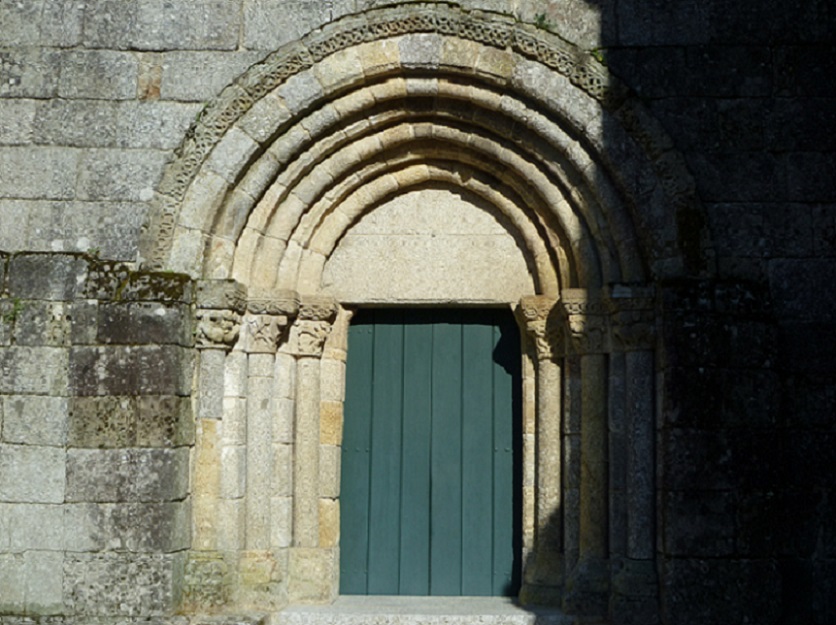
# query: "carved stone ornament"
x,y
217,329
632,319
284,303
311,336
221,295
633,330
537,314
585,321
313,325
488,29
264,333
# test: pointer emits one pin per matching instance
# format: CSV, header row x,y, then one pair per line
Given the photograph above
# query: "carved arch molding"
x,y
293,154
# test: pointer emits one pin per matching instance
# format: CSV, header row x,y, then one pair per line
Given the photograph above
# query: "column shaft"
x,y
641,456
593,517
306,455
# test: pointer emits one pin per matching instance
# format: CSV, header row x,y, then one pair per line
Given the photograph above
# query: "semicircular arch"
x,y
333,94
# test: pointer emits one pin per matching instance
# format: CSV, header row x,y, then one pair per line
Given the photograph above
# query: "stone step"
x,y
383,610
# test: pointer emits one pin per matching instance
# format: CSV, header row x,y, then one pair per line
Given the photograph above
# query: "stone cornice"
x,y
221,295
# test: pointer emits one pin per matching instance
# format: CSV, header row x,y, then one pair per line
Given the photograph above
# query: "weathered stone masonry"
x,y
97,429
196,196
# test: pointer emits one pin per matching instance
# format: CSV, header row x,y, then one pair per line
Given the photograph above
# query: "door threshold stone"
x,y
395,610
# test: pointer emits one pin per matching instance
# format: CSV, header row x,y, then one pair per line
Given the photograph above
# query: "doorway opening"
x,y
431,493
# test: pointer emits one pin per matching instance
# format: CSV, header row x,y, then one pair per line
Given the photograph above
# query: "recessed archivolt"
x,y
400,146
294,132
555,188
306,269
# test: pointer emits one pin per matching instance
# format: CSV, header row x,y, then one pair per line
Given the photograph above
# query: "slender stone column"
x,y
219,307
537,316
633,334
312,329
587,336
264,328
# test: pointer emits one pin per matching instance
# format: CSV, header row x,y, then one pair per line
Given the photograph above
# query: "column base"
x,y
312,576
533,594
207,582
635,593
262,580
588,588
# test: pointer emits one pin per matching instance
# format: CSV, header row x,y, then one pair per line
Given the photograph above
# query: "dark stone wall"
x,y
747,421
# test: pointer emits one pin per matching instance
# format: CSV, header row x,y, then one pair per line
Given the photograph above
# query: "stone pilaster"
x,y
537,317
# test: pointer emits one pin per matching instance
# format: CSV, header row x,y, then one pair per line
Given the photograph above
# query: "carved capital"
x,y
264,333
313,325
311,336
217,329
537,315
585,319
632,318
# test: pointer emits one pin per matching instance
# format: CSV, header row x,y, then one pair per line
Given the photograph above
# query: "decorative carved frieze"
x,y
313,325
217,329
274,303
585,321
537,314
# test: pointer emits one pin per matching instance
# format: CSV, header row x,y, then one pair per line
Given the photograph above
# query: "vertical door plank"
x,y
477,458
446,531
429,480
354,498
503,477
415,468
385,505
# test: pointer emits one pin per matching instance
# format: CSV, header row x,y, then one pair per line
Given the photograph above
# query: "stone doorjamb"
x,y
266,465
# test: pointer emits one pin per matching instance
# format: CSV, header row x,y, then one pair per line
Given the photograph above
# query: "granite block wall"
x,y
94,440
95,419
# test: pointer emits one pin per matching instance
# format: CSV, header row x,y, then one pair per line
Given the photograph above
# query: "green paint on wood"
x,y
431,480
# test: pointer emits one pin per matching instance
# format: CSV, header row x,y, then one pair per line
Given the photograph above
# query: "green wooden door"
x,y
430,494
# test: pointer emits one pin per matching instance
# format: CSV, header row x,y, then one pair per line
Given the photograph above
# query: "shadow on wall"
x,y
745,529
